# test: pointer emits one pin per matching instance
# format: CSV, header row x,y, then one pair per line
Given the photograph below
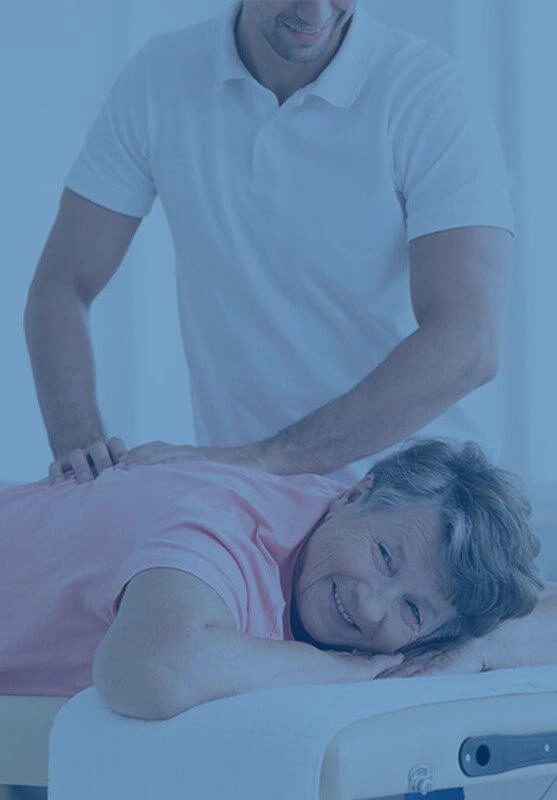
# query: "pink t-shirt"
x,y
67,552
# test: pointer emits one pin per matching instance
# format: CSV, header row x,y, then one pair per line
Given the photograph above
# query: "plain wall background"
x,y
58,62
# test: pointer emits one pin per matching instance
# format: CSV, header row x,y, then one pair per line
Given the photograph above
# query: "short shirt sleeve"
x,y
448,162
113,168
198,537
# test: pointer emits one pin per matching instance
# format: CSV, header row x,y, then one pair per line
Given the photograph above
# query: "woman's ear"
x,y
368,480
351,494
363,486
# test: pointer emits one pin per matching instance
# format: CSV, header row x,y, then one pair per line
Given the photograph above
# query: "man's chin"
x,y
298,52
300,55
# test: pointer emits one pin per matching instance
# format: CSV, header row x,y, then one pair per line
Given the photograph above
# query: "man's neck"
x,y
282,77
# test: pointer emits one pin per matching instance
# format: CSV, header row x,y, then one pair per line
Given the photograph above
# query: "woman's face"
x,y
384,566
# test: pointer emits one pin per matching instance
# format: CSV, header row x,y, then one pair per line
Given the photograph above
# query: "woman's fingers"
x,y
375,664
412,665
380,663
351,667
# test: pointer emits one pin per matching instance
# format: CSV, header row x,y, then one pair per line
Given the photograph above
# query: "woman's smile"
x,y
339,611
387,589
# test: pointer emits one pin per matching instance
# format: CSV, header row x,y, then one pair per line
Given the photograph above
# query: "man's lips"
x,y
303,33
305,30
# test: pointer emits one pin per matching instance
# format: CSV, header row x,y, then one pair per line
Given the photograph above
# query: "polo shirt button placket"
x,y
260,172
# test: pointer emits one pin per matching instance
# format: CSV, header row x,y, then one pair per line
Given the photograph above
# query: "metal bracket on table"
x,y
490,755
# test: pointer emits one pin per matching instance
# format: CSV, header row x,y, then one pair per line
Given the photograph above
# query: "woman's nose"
x,y
374,604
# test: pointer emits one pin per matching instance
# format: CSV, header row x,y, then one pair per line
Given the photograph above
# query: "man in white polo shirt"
x,y
338,202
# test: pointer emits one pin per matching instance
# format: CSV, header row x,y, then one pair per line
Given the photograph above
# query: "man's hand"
x,y
469,656
251,456
86,464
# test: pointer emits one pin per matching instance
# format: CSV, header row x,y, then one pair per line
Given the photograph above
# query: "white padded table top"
x,y
336,742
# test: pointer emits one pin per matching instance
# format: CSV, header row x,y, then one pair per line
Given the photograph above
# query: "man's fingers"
x,y
117,449
81,467
107,455
55,473
77,464
60,470
100,456
87,464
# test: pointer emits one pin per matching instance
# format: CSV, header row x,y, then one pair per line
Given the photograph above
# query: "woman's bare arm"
x,y
174,645
224,663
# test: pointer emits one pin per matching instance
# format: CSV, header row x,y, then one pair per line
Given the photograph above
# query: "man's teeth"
x,y
342,610
310,33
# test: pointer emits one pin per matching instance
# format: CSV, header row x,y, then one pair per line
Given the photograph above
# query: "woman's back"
x,y
68,550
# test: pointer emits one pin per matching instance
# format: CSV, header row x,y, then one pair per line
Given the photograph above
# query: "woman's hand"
x,y
468,657
363,667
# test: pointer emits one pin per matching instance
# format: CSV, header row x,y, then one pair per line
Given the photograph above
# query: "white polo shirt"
x,y
291,223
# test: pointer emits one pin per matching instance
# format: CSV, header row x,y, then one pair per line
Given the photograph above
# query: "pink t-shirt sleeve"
x,y
197,536
234,532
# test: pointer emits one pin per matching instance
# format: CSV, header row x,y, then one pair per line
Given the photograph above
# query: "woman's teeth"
x,y
341,608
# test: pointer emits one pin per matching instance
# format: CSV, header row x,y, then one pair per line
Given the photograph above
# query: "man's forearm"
x,y
422,377
56,329
528,641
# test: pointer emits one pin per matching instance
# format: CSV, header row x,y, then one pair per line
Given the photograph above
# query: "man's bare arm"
x,y
84,249
458,287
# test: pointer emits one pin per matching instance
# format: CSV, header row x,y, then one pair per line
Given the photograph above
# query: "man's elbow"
x,y
488,369
483,366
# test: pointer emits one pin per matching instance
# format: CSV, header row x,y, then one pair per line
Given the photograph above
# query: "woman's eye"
x,y
415,611
385,554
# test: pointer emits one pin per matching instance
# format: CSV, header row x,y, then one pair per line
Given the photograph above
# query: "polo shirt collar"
x,y
340,82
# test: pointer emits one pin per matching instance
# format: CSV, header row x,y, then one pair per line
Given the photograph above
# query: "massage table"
x,y
486,732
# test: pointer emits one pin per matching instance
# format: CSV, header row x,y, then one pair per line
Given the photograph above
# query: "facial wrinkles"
x,y
397,627
343,538
346,550
423,564
423,581
412,577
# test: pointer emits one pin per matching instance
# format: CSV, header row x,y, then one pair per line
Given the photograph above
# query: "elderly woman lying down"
x,y
171,585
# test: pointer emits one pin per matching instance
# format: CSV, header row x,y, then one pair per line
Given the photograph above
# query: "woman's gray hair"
x,y
487,562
